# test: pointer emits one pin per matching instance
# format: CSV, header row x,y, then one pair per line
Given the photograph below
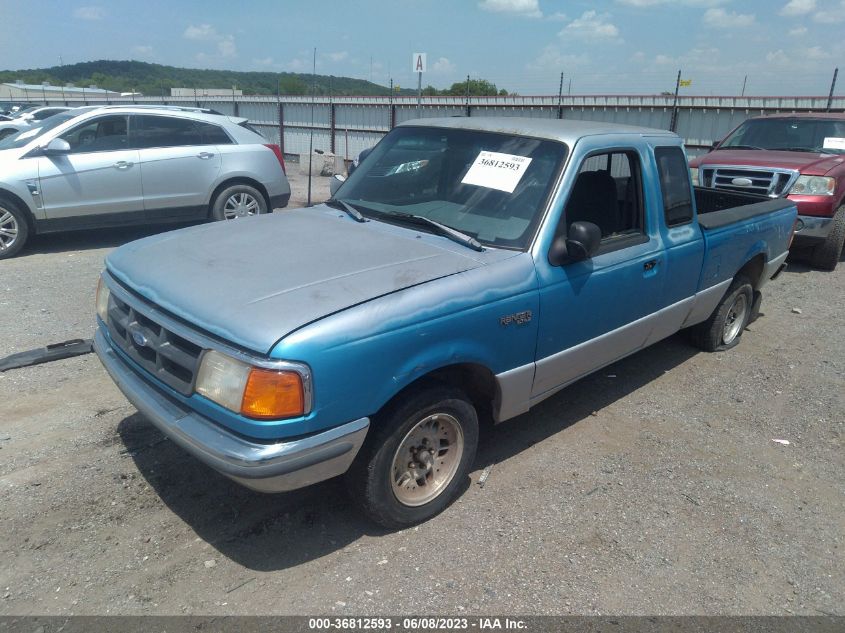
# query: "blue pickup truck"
x,y
468,269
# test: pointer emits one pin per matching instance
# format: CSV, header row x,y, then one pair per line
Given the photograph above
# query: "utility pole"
x,y
419,95
468,110
569,90
832,88
311,140
674,120
744,81
560,98
389,110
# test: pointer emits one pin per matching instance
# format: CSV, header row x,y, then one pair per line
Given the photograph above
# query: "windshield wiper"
x,y
440,229
354,213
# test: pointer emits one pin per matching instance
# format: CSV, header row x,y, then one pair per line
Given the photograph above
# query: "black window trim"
x,y
133,145
104,115
680,149
614,243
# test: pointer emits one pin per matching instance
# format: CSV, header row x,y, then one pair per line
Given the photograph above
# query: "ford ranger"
x,y
468,269
796,156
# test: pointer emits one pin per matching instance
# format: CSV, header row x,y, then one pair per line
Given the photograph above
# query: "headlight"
x,y
693,174
102,300
254,392
814,186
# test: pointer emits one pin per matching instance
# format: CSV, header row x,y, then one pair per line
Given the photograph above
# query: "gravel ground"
x,y
652,487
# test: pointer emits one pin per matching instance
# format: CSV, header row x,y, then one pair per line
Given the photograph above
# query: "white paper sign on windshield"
x,y
497,171
834,142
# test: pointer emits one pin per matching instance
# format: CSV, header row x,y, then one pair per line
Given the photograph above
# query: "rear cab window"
x,y
675,185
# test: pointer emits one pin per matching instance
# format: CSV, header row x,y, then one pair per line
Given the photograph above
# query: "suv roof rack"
x,y
150,106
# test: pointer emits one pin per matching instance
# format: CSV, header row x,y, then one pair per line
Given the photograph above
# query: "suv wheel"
x,y
13,229
238,201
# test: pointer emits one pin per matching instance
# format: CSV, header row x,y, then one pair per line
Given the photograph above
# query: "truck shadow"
x,y
273,532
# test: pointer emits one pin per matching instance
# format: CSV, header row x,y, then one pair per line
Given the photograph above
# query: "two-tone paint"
x,y
508,326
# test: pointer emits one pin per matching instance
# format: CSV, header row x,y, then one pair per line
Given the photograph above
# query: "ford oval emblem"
x,y
742,182
138,337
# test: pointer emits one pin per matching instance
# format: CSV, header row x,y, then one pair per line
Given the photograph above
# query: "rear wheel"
x,y
238,201
725,326
14,229
417,457
826,255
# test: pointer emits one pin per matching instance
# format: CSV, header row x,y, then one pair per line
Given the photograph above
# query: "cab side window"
x,y
608,193
102,134
675,185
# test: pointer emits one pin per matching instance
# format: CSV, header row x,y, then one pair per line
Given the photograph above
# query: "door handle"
x,y
122,164
650,265
205,155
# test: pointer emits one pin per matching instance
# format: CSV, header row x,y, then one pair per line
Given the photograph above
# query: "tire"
x,y
826,255
14,229
238,201
385,486
724,328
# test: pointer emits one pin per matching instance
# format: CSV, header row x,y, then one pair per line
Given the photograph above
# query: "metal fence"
x,y
347,125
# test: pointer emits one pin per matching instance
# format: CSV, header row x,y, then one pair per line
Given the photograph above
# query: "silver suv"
x,y
121,165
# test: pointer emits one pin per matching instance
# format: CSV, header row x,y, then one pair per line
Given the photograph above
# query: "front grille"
x,y
768,182
167,356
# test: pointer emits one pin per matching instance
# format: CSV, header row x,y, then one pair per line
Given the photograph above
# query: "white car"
x,y
27,118
120,165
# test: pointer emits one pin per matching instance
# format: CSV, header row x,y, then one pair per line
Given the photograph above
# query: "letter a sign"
x,y
418,63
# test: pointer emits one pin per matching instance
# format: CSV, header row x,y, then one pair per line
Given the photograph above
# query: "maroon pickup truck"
x,y
798,156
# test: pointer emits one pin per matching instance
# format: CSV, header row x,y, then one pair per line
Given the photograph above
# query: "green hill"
x,y
157,79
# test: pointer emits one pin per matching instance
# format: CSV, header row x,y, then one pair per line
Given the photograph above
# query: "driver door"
x,y
597,310
98,179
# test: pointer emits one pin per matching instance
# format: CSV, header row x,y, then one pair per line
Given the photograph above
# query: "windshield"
x,y
492,187
24,137
796,135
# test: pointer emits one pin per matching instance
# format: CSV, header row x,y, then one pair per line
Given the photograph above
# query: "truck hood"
x,y
251,282
804,162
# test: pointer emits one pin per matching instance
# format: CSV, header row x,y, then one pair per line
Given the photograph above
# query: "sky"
x,y
774,47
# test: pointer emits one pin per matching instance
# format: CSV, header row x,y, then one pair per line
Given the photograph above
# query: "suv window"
x,y
43,114
213,134
163,131
103,134
675,185
608,193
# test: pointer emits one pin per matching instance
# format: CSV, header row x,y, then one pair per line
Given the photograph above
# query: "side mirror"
x,y
581,243
335,183
57,146
714,145
354,165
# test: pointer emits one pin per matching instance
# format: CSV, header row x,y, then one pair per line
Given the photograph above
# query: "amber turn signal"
x,y
273,394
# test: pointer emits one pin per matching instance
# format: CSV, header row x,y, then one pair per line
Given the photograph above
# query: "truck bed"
x,y
718,208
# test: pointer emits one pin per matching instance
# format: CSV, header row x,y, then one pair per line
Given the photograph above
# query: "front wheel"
x,y
417,458
238,201
725,326
14,229
826,255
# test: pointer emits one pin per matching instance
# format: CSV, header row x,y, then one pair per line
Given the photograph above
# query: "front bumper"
x,y
810,227
266,467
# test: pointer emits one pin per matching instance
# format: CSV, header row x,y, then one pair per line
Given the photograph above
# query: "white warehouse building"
x,y
19,91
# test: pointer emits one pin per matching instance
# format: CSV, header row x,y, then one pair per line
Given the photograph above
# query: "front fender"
x,y
362,357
